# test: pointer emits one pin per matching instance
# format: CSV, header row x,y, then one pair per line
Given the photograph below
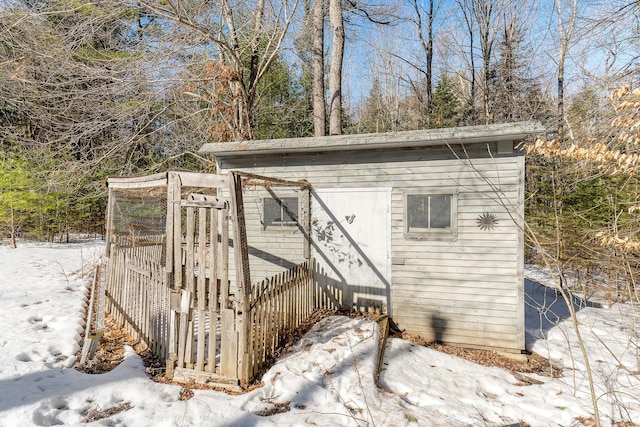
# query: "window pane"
x,y
272,212
440,212
290,209
279,212
417,210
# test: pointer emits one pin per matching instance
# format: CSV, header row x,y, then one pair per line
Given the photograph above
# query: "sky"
x,y
325,379
596,51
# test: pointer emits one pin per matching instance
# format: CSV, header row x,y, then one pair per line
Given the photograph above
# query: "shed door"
x,y
351,235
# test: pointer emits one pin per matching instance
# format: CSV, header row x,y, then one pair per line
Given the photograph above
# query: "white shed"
x,y
423,225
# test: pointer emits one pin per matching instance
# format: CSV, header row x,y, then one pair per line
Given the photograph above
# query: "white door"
x,y
351,236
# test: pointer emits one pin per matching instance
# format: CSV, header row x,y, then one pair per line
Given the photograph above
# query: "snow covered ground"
x,y
326,380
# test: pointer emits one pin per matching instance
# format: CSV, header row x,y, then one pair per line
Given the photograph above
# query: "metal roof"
x,y
406,139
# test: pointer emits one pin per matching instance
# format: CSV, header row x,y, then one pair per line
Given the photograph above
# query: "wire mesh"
x,y
275,224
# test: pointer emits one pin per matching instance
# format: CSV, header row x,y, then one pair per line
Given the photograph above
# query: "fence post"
x,y
243,280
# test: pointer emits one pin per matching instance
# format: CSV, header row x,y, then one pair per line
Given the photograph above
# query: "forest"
x,y
112,87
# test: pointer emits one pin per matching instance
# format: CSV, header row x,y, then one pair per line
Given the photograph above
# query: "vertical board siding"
x,y
484,267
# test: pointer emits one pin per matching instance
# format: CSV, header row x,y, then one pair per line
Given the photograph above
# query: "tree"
x,y
375,117
483,12
423,21
233,34
445,108
604,209
510,82
73,99
567,11
335,71
319,103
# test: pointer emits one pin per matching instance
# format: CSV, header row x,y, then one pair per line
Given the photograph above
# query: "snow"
x,y
326,379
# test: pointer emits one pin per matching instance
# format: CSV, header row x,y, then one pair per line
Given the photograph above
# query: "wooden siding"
x,y
272,250
466,290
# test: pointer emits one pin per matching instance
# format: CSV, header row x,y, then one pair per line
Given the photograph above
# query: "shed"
x,y
426,226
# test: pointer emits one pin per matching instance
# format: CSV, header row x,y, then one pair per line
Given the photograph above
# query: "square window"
x,y
430,215
280,212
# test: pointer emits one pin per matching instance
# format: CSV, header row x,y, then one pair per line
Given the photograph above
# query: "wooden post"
x,y
243,278
190,281
214,274
202,282
109,221
174,180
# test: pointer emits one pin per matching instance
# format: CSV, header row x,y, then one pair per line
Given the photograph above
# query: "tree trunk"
x,y
319,107
429,52
335,72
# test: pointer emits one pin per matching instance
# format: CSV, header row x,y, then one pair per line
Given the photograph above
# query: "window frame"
x,y
282,203
450,233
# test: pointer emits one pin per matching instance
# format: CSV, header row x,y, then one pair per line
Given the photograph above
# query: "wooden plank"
x,y
224,258
229,345
270,180
184,375
177,232
206,180
141,271
114,181
203,204
185,308
213,288
189,250
188,351
241,250
202,290
109,222
243,276
169,227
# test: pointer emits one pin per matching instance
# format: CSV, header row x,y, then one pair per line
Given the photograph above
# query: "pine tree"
x,y
445,107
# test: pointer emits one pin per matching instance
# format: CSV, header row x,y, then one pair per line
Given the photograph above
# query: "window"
x,y
280,212
430,215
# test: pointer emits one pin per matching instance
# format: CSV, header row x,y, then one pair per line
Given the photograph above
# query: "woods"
x,y
89,90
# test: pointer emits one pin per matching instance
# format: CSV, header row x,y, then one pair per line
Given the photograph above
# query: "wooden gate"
x,y
203,332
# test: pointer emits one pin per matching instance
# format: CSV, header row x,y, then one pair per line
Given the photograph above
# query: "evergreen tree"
x,y
445,107
374,117
509,80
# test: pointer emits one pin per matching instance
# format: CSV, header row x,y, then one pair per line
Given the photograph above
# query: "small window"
x,y
282,212
430,215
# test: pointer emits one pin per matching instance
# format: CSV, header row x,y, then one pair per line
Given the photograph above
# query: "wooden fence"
x,y
172,290
279,305
137,296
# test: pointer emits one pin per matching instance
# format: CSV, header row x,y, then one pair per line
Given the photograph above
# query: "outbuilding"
x,y
426,226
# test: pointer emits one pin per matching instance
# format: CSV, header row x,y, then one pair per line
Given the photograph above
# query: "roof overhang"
x,y
390,140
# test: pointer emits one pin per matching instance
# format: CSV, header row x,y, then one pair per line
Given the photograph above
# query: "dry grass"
x,y
535,364
96,414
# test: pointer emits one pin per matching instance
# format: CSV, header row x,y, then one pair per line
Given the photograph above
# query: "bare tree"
x,y
424,18
335,71
248,38
484,13
319,107
567,11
